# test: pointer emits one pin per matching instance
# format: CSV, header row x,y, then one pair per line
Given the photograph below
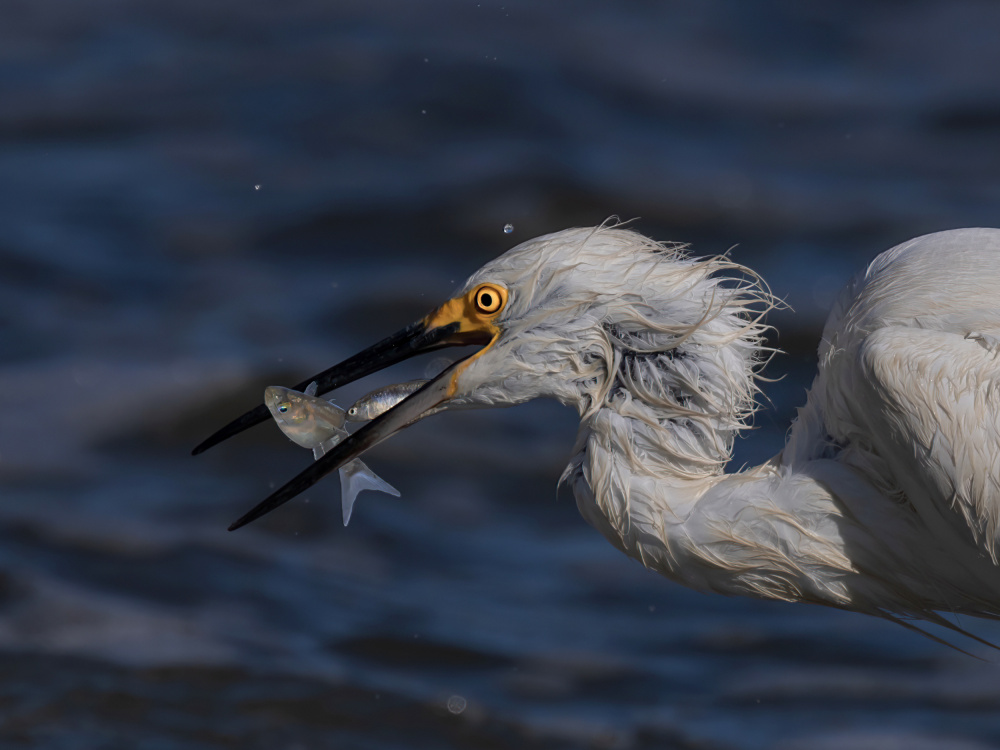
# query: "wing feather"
x,y
934,416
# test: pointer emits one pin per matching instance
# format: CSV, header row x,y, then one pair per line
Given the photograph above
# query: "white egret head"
x,y
584,310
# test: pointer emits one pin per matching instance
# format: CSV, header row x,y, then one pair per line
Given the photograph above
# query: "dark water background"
x,y
149,290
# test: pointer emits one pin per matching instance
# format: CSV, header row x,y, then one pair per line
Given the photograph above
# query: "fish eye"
x,y
352,411
489,299
283,406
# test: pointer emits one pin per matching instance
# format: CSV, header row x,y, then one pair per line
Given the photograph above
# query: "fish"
x,y
315,423
381,400
305,419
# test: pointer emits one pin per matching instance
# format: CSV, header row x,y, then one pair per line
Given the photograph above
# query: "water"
x,y
147,295
456,704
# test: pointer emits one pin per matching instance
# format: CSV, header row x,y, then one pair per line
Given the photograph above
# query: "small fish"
x,y
380,401
315,423
305,419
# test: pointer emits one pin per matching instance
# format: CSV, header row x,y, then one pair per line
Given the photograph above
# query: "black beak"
x,y
435,331
416,338
406,412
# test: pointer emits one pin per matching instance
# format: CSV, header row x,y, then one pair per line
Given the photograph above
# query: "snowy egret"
x,y
886,497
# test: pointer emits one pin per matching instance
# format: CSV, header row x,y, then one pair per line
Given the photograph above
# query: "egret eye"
x,y
283,407
489,299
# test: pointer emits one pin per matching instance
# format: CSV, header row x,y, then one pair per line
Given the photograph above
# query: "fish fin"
x,y
320,450
356,480
311,389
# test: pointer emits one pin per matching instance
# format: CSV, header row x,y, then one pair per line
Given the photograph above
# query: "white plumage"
x,y
885,499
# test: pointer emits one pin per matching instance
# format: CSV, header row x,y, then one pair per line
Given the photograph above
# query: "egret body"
x,y
886,497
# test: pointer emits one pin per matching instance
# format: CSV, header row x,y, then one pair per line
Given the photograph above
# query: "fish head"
x,y
288,407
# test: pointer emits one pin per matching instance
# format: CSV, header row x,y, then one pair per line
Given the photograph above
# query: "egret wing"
x,y
935,419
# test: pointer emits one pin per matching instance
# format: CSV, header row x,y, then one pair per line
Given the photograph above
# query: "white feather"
x,y
886,498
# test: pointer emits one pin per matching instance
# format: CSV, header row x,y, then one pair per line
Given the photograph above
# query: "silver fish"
x,y
380,401
315,423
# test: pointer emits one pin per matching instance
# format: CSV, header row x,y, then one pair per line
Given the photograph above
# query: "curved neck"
x,y
658,492
808,531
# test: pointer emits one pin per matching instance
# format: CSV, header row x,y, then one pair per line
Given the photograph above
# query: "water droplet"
x,y
456,704
256,187
508,228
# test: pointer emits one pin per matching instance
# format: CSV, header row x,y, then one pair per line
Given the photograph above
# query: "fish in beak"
x,y
469,319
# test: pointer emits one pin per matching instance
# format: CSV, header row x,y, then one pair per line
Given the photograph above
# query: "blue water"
x,y
201,199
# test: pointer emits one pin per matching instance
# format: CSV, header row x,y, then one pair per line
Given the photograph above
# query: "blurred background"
x,y
200,199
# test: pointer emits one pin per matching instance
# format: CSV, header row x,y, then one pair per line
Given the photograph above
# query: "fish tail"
x,y
355,478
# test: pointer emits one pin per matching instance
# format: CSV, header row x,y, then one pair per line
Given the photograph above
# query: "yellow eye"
x,y
489,299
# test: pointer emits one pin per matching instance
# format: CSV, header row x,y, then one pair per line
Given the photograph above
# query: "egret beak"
x,y
415,339
406,412
461,321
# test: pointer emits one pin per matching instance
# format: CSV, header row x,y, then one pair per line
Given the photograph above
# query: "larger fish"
x,y
316,423
380,401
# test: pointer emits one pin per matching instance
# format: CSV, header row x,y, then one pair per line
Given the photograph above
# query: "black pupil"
x,y
486,300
